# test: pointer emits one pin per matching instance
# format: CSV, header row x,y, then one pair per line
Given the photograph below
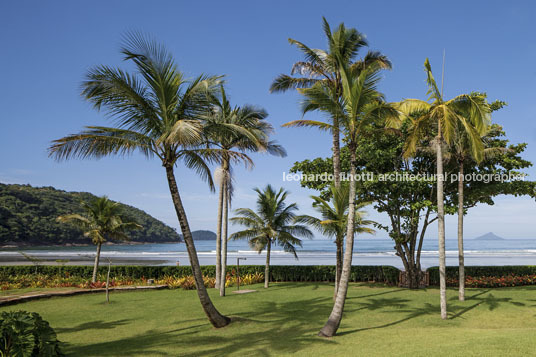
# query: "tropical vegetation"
x,y
189,123
28,217
25,333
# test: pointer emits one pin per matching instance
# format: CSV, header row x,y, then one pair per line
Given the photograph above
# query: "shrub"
x,y
382,274
27,334
487,276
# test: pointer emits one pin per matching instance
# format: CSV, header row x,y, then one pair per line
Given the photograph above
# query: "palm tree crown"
x,y
334,215
103,221
272,223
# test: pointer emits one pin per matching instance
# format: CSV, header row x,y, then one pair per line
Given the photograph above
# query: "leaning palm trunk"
x,y
96,265
441,227
223,277
334,320
218,237
267,267
461,267
215,318
338,269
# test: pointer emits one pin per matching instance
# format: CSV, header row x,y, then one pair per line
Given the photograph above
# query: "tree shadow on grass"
x,y
273,328
95,325
412,312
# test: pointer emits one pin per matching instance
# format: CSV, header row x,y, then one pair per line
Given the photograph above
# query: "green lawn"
x,y
285,318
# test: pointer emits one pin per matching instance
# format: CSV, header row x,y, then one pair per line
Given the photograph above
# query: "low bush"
x,y
488,276
382,274
27,334
495,282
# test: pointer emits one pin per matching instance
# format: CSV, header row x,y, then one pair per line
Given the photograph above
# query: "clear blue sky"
x,y
49,45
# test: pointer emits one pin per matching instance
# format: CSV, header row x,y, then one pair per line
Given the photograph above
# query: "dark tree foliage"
x,y
410,204
28,217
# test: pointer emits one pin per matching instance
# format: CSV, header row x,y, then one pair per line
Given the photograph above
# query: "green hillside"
x,y
28,217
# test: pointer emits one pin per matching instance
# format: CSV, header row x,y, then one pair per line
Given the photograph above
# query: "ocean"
x,y
367,251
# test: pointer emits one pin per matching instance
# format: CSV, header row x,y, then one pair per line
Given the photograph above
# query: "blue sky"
x,y
48,47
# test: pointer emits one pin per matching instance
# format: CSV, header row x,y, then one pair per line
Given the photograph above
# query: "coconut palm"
x,y
468,112
358,107
156,112
334,220
103,221
273,223
460,152
322,67
252,135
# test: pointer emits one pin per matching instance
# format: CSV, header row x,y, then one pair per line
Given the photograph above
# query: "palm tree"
x,y
322,67
334,220
251,135
359,106
461,154
273,223
103,221
156,112
445,117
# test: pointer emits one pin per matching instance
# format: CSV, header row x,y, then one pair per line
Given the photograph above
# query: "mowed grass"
x,y
284,319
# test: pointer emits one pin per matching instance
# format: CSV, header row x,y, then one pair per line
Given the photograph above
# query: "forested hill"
x,y
28,217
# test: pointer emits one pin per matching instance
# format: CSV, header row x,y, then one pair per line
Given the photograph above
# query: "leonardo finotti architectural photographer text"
x,y
398,177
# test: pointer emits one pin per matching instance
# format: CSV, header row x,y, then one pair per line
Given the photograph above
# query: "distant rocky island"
x,y
489,236
203,235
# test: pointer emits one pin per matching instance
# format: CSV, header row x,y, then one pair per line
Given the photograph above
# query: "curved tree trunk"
x,y
338,268
461,267
441,227
267,267
224,238
334,320
218,236
214,316
96,265
336,153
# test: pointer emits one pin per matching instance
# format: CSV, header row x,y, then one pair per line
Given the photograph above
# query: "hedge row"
x,y
483,271
383,274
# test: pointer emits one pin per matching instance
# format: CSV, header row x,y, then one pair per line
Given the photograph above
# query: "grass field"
x,y
284,319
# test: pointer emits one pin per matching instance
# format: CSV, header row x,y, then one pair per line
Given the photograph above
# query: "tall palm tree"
x,y
103,221
252,135
445,116
334,220
322,67
359,106
273,223
156,112
461,153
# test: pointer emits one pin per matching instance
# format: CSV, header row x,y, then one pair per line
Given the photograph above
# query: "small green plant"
x,y
27,334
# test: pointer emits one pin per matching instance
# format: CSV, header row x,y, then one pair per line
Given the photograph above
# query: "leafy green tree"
x,y
334,220
103,221
410,204
157,112
321,67
251,135
273,223
469,112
